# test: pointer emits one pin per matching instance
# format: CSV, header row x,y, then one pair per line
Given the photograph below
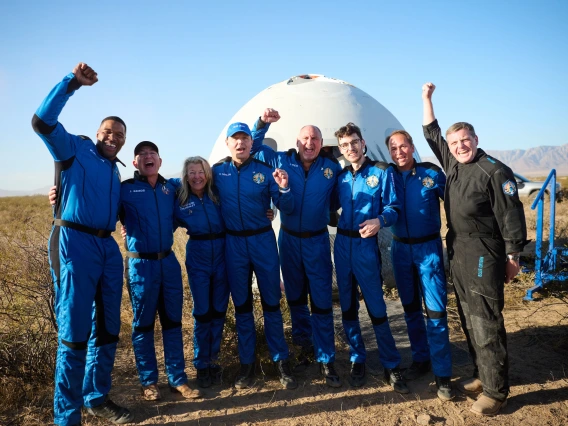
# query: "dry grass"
x,y
28,343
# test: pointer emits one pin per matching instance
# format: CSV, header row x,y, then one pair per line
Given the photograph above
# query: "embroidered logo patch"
x,y
328,173
428,182
258,178
165,189
509,188
372,181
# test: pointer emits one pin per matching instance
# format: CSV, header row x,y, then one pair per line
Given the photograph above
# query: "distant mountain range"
x,y
531,162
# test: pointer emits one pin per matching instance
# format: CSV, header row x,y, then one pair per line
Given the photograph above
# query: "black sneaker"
x,y
331,377
357,376
394,378
112,412
286,377
445,391
216,373
245,377
416,370
203,377
304,359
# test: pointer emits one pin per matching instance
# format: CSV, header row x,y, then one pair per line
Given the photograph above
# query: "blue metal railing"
x,y
545,267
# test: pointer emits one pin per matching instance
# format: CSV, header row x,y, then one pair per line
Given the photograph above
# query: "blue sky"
x,y
177,71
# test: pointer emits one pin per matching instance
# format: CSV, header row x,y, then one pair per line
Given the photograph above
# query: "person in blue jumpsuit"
x,y
153,272
246,186
198,211
85,261
368,199
418,262
305,256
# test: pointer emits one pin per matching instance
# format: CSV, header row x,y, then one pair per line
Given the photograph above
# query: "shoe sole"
x,y
489,414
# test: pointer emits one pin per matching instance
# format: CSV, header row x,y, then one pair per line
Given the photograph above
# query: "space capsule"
x,y
328,103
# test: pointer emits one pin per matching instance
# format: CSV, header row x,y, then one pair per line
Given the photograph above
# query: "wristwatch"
x,y
514,256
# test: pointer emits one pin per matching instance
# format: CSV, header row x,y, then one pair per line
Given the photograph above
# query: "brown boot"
x,y
151,392
486,406
471,386
186,391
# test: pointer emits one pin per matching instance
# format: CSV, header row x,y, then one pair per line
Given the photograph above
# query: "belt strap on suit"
x,y
249,232
305,234
149,256
206,237
101,233
416,240
349,233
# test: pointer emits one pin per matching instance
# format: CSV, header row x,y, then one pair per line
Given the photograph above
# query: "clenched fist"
x,y
428,90
270,116
85,74
281,178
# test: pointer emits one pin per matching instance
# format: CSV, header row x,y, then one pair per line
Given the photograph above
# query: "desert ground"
x,y
537,338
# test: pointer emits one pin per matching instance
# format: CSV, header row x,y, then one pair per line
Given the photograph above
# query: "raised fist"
x,y
427,90
281,178
270,116
85,74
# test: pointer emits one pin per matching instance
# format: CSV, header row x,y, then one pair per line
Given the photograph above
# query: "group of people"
x,y
226,210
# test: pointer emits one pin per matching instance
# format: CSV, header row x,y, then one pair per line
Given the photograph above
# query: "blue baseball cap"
x,y
238,127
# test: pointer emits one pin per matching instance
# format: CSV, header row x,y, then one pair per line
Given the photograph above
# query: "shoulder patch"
x,y
381,165
85,138
224,160
430,166
509,188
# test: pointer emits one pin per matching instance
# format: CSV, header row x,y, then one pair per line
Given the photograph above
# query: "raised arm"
x,y
432,131
280,192
44,121
261,126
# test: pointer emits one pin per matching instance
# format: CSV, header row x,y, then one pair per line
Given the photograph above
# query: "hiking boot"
x,y
286,377
216,373
186,391
416,370
471,386
203,377
486,406
245,377
112,412
151,392
357,376
445,391
331,377
304,359
394,378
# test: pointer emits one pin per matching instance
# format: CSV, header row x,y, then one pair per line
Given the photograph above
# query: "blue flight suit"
x,y
418,264
367,193
207,274
86,264
245,192
305,254
153,276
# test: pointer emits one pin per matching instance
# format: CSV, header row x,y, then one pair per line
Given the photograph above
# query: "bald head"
x,y
309,144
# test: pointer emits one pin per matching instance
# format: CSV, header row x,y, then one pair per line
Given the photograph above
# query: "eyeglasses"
x,y
353,144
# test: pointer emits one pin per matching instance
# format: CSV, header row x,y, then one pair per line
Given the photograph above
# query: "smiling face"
x,y
240,145
197,178
309,143
463,145
147,162
111,137
352,147
401,151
